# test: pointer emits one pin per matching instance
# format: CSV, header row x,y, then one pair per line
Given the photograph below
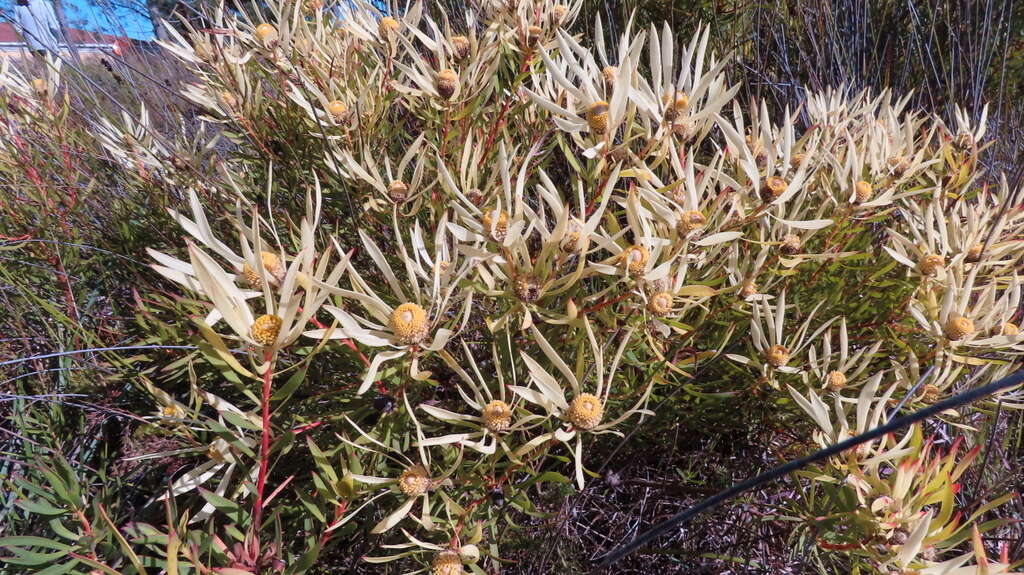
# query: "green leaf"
x,y
32,541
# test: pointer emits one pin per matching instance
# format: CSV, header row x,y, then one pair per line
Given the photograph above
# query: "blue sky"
x,y
104,16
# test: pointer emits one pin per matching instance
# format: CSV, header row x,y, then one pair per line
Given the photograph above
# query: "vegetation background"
x,y
73,232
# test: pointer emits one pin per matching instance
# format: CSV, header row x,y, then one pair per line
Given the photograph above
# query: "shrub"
x,y
433,262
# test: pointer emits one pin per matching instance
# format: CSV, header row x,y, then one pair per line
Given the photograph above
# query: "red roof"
x,y
9,34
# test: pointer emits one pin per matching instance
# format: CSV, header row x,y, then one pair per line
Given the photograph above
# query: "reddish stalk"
x,y
261,481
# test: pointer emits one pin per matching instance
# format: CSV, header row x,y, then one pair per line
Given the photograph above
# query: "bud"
x,y
387,26
777,356
337,109
862,191
609,73
266,33
1009,329
533,35
790,244
929,393
973,255
898,165
931,264
748,289
447,83
40,86
559,12
461,47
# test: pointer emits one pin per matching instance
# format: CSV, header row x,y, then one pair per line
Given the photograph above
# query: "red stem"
x,y
261,481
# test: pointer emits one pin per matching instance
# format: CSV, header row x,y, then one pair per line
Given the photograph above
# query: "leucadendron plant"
x,y
446,259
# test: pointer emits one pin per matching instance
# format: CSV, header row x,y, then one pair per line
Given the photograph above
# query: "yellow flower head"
x,y
498,230
597,117
585,411
409,323
635,258
497,416
447,563
266,329
957,328
1009,329
863,191
266,32
337,109
835,380
660,304
387,26
414,481
691,220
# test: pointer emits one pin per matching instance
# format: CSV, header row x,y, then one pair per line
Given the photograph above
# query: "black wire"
x,y
785,469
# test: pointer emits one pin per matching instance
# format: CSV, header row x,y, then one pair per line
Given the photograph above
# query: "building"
x,y
89,44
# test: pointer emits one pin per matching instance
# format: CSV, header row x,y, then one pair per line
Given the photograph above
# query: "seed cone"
x,y
497,416
597,117
414,481
863,191
447,83
398,191
585,411
691,220
447,563
931,264
498,230
835,380
660,304
635,258
266,329
266,33
777,355
957,328
409,323
772,188
461,46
